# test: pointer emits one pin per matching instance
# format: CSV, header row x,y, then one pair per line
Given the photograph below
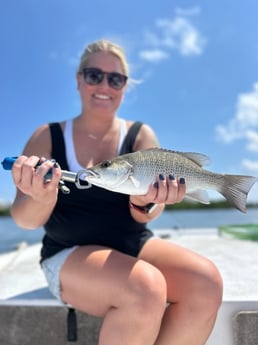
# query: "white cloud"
x,y
250,165
252,137
154,55
177,34
244,125
180,34
248,108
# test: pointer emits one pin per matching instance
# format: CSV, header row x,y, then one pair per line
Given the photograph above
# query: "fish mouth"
x,y
91,174
86,174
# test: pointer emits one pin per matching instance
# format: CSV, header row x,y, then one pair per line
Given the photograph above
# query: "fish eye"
x,y
106,164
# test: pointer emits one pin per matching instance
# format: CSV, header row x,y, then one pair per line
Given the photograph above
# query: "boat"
x,y
26,303
240,231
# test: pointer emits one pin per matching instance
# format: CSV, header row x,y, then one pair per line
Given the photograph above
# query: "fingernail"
x,y
182,180
156,185
38,163
56,165
171,177
161,177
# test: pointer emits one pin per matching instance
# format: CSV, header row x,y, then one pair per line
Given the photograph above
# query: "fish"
x,y
133,173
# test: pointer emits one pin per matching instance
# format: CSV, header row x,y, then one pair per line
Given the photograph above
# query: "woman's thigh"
x,y
95,279
184,270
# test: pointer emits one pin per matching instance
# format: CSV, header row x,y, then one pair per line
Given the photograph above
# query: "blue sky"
x,y
198,63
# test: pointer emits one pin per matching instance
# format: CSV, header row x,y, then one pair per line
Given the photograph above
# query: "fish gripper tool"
x,y
79,178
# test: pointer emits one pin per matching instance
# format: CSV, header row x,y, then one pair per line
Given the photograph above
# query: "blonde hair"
x,y
106,46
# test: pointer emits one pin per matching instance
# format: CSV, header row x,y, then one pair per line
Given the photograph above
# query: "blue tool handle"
x,y
7,163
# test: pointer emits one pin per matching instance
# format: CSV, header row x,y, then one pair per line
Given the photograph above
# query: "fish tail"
x,y
236,188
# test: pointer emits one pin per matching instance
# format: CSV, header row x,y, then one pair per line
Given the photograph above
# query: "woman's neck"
x,y
95,127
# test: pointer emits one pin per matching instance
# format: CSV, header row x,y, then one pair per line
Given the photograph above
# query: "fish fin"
x,y
199,195
135,182
236,188
198,158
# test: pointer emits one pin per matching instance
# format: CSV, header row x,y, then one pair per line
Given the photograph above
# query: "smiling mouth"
x,y
102,97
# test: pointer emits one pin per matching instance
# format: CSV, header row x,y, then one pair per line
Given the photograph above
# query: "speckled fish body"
x,y
133,173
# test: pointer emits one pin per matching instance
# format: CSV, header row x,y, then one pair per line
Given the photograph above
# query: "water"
x,y
204,218
11,236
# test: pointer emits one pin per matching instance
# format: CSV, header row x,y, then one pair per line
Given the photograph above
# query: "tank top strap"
x,y
129,140
58,151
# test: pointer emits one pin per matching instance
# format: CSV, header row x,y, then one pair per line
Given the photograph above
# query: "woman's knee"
x,y
209,288
148,288
216,283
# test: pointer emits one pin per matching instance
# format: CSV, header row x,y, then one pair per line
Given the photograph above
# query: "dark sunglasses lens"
x,y
116,80
93,76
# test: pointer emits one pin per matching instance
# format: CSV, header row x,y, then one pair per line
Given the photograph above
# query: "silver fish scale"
x,y
134,172
150,163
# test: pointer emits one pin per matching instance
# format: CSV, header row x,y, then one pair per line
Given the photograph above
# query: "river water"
x,y
11,236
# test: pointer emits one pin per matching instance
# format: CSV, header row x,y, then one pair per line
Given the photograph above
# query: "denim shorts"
x,y
52,267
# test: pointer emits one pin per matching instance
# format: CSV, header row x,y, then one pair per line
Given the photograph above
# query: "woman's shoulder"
x,y
40,141
144,127
43,131
146,137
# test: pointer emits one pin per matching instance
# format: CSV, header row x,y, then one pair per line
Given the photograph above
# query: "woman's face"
x,y
101,97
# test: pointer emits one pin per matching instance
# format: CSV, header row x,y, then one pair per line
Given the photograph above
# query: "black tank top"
x,y
92,216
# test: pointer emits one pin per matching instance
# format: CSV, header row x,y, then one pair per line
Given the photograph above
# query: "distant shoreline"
x,y
4,211
217,204
185,205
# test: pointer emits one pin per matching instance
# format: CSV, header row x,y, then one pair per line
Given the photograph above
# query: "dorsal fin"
x,y
198,158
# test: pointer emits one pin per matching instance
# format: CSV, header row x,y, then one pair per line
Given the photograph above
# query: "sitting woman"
x,y
98,254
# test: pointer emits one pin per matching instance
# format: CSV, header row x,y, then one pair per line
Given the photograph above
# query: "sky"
x,y
197,62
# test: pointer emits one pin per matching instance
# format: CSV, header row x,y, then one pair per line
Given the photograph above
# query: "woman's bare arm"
x,y
35,199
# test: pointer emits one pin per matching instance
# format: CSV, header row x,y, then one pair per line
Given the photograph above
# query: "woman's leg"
x,y
194,290
129,293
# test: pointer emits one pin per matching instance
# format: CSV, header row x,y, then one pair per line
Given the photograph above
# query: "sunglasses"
x,y
94,76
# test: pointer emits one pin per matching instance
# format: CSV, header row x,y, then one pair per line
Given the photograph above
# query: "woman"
x,y
97,254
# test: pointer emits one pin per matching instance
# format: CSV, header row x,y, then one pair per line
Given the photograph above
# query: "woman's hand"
x,y
166,190
29,177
